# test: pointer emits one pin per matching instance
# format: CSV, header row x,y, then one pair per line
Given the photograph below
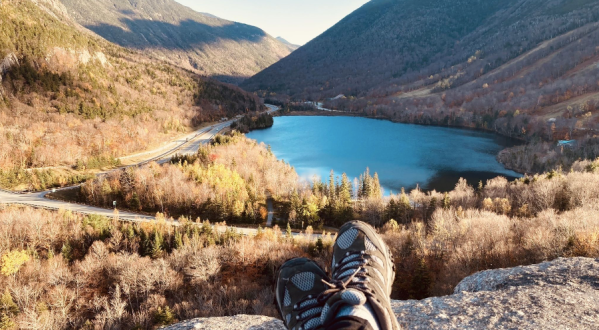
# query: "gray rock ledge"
x,y
562,294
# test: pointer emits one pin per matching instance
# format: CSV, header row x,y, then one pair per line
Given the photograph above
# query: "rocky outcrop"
x,y
8,62
562,294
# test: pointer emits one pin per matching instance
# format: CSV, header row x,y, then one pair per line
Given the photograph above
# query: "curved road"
x,y
187,145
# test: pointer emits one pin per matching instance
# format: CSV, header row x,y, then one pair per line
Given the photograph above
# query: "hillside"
x,y
68,97
167,30
289,45
507,66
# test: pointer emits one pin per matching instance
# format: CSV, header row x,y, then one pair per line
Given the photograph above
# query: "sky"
x,y
298,21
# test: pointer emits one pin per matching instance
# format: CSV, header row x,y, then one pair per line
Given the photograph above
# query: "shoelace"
x,y
309,310
350,274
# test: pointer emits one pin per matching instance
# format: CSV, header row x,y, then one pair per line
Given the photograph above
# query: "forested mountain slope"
x,y
199,42
67,96
505,65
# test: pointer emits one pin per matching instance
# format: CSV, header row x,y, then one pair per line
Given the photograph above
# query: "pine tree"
x,y
361,193
345,191
391,210
405,208
288,231
432,207
367,184
135,203
178,241
332,196
421,282
446,202
377,191
332,189
67,251
157,244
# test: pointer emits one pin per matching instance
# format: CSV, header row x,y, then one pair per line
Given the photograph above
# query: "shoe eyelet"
x,y
309,296
347,254
297,317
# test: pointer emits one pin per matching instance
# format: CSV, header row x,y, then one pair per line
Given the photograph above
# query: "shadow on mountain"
x,y
229,79
188,34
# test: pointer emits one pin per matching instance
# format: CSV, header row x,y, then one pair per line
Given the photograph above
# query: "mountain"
x,y
167,30
69,97
506,65
289,45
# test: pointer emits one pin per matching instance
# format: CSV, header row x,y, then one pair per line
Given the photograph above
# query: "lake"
x,y
403,155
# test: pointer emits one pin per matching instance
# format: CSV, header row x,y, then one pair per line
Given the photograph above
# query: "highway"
x,y
186,145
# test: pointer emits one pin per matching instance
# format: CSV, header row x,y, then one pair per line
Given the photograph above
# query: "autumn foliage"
x,y
68,98
227,181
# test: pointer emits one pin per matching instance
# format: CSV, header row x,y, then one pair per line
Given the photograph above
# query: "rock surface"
x,y
562,294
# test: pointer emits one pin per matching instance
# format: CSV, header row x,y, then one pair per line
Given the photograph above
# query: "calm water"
x,y
403,155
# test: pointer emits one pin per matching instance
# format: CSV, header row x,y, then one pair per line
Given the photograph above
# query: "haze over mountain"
x,y
291,46
200,42
464,63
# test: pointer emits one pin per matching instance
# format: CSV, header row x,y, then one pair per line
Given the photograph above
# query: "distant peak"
x,y
291,46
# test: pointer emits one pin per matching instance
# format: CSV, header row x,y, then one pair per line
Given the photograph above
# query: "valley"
x,y
159,164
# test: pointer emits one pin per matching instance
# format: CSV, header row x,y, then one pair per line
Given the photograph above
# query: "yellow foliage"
x,y
12,262
488,204
228,185
502,205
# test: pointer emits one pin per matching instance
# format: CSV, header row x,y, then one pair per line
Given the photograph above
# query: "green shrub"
x,y
164,316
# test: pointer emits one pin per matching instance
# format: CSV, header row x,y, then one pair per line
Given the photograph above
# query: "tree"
x,y
345,191
446,202
405,208
377,191
421,282
432,207
12,262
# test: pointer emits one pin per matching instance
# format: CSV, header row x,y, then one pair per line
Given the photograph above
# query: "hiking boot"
x,y
299,285
362,275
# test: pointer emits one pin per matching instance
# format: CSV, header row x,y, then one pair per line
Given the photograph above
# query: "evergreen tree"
x,y
446,202
332,191
392,210
345,190
178,240
405,208
367,184
377,191
135,204
157,244
432,207
67,251
361,192
421,282
332,197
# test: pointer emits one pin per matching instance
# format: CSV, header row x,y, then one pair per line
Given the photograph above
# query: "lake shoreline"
x,y
428,157
324,113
